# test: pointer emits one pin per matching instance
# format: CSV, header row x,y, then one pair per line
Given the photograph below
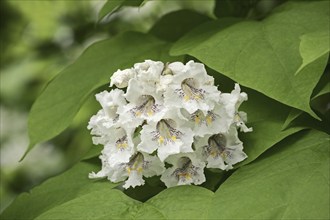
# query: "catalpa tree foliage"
x,y
221,114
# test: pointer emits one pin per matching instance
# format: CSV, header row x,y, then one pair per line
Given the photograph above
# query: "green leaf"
x,y
319,102
289,182
103,204
313,46
56,191
60,101
294,113
113,5
325,90
109,7
265,116
172,26
235,8
323,87
183,202
94,151
256,54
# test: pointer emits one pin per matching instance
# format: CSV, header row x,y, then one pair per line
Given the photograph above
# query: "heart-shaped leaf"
x,y
257,55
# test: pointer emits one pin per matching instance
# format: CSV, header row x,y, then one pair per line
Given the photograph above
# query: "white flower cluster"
x,y
171,114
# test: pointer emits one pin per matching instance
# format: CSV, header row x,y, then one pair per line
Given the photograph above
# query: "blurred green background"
x,y
39,38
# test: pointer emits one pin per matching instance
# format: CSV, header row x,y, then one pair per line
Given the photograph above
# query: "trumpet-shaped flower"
x,y
106,118
191,89
149,71
111,102
121,78
139,165
231,103
120,146
166,136
144,104
105,171
100,126
187,169
214,121
221,150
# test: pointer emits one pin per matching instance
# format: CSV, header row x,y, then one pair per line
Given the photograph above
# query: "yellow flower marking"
x,y
166,132
209,120
161,140
190,91
197,119
185,175
139,169
217,146
146,106
150,113
138,113
122,145
173,138
135,164
186,98
213,153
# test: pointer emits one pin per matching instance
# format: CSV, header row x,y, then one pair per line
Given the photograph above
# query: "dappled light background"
x,y
38,39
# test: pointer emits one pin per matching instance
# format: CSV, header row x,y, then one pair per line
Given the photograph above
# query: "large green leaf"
x,y
319,102
103,204
265,115
173,25
264,55
313,46
291,181
56,191
60,101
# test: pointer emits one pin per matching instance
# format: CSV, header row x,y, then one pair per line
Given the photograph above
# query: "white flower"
x,y
106,169
170,113
240,119
176,68
139,165
167,136
166,77
106,118
187,169
221,150
100,125
111,101
214,121
231,103
121,78
119,147
149,71
163,83
191,89
144,104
